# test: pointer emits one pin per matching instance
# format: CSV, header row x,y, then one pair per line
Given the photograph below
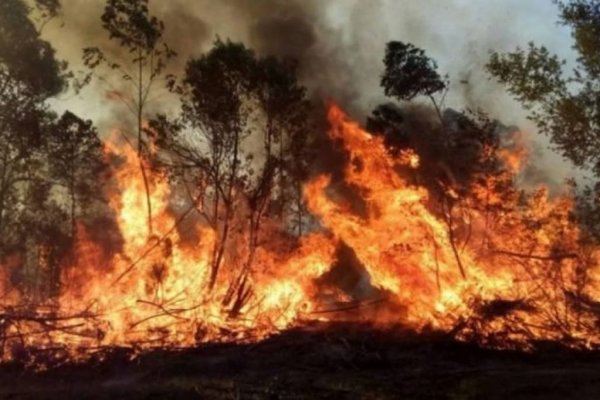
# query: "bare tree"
x,y
129,23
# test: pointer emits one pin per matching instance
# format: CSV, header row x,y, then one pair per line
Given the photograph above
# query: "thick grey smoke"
x,y
340,44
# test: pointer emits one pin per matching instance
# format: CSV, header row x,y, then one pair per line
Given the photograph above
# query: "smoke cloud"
x,y
339,46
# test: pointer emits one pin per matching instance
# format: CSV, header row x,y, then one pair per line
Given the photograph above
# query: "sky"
x,y
341,45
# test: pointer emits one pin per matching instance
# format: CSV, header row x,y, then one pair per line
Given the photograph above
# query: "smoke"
x,y
339,46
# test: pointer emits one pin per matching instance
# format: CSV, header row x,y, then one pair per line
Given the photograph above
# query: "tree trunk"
x,y
73,206
3,190
452,239
140,110
283,199
228,203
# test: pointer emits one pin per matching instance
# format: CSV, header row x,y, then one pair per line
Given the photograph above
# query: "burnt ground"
x,y
339,362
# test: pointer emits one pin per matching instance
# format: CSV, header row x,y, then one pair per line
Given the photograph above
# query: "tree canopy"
x,y
40,153
563,103
24,56
409,72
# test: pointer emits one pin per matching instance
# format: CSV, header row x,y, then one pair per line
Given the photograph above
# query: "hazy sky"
x,y
346,44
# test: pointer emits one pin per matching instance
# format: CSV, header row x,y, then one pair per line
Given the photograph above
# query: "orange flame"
x,y
155,291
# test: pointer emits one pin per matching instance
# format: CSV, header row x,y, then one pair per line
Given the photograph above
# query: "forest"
x,y
248,207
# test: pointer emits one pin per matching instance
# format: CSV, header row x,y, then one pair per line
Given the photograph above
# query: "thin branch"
x,y
155,245
549,257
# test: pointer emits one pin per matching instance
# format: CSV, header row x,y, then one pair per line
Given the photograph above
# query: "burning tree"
x,y
77,164
140,34
231,101
213,239
30,216
563,104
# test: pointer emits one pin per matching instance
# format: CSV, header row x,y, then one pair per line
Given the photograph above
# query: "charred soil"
x,y
341,361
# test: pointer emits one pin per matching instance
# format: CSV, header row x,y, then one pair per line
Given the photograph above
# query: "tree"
x,y
30,219
286,111
130,24
459,151
41,240
215,89
564,106
410,73
75,163
21,164
29,74
231,98
26,60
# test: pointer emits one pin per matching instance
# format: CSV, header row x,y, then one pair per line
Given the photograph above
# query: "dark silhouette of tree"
x,y
76,163
457,150
26,59
216,85
30,219
231,98
29,74
39,152
286,111
21,165
130,24
410,73
42,241
449,156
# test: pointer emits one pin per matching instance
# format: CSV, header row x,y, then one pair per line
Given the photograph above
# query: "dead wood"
x,y
352,306
547,257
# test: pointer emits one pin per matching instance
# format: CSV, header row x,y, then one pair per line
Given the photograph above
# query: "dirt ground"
x,y
341,362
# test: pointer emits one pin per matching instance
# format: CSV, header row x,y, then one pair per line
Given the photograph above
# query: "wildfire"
x,y
503,276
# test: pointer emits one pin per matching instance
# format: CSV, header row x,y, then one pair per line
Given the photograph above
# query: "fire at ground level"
x,y
514,266
320,361
493,267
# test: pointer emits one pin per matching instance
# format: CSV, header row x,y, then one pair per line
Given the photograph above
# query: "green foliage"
x,y
228,95
25,57
131,25
233,101
564,106
583,17
75,163
531,76
129,22
409,72
215,85
39,153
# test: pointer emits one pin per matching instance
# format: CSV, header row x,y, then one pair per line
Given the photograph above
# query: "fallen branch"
x,y
550,257
165,312
352,306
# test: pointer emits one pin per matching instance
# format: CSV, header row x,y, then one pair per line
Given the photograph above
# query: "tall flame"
x,y
155,290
